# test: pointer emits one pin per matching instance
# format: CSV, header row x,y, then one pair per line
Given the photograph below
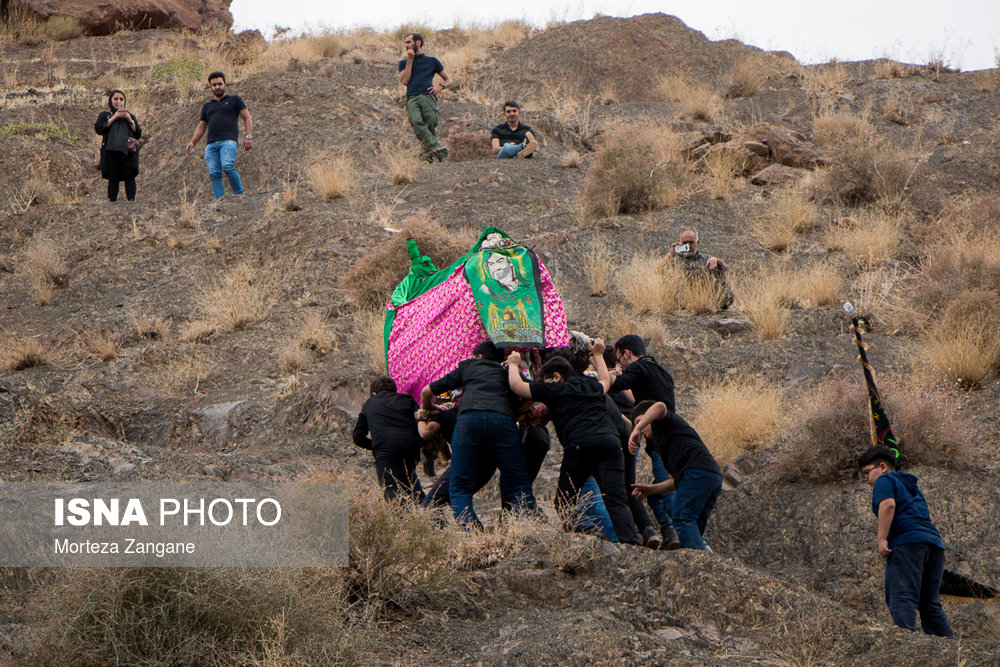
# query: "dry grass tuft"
x,y
369,330
875,294
722,167
598,267
869,240
43,270
964,348
791,212
890,69
570,160
399,163
761,295
747,77
315,335
700,104
702,295
19,354
638,169
151,327
98,344
738,416
292,358
333,177
816,285
836,127
875,171
377,273
239,298
60,28
650,285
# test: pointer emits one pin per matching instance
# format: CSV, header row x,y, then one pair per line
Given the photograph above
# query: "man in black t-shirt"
x,y
220,117
395,441
416,72
695,476
513,138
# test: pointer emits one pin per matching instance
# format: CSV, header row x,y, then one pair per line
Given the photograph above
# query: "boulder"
x,y
785,146
777,174
102,17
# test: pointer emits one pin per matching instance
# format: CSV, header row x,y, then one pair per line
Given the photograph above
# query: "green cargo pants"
x,y
423,113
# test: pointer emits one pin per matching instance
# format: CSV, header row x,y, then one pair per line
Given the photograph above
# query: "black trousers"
x,y
638,510
396,469
129,189
603,461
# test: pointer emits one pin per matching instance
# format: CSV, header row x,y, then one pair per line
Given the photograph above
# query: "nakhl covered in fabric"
x,y
497,291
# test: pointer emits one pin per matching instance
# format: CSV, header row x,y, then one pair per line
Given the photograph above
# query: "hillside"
x,y
178,338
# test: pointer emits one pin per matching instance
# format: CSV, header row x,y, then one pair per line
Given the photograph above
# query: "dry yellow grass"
x,y
747,76
333,177
895,109
869,240
700,104
369,329
835,127
42,269
150,327
650,285
875,294
185,373
598,267
889,69
702,295
761,295
60,28
315,335
289,198
738,416
399,163
964,356
570,160
292,358
790,212
237,299
816,285
722,168
19,354
98,344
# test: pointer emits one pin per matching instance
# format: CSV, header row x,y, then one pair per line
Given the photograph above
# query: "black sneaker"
x,y
670,539
650,539
440,154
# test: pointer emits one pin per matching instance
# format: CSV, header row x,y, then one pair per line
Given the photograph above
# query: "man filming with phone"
x,y
692,259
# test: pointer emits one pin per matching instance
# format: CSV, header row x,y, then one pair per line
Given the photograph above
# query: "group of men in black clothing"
x,y
600,416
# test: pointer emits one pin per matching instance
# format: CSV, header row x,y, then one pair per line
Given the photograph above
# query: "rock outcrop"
x,y
101,17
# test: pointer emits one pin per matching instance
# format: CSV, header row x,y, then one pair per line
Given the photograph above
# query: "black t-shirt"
x,y
616,419
577,408
680,447
421,74
648,380
509,136
389,418
446,419
622,402
222,117
484,386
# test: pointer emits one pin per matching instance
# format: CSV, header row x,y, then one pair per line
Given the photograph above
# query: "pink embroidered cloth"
x,y
441,327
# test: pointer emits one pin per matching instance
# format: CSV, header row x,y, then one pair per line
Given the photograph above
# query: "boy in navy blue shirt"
x,y
909,542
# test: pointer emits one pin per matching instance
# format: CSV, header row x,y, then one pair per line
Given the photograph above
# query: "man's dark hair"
x,y
510,103
216,75
557,364
640,409
417,37
111,93
487,350
383,384
633,343
610,360
876,454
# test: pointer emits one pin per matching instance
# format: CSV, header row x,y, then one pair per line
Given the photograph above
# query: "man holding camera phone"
x,y
691,259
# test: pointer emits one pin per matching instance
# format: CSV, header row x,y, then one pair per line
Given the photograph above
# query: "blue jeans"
x,y
693,503
658,502
509,151
912,581
220,156
484,433
593,511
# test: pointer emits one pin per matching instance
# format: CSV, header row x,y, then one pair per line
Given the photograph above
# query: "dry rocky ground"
x,y
142,376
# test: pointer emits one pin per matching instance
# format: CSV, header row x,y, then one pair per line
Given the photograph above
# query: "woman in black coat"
x,y
120,132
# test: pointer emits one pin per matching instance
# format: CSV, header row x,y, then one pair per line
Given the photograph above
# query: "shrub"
x,y
700,104
867,172
60,28
237,299
333,177
761,296
40,130
23,353
177,69
195,616
834,128
747,76
97,344
834,429
399,163
598,267
738,416
43,270
637,170
702,295
377,273
464,146
816,285
722,166
790,212
650,284
964,347
869,240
